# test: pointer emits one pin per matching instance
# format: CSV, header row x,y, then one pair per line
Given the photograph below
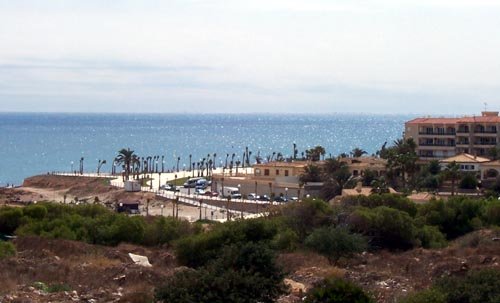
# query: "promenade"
x,y
209,207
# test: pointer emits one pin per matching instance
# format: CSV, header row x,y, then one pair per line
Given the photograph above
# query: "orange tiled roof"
x,y
465,158
472,119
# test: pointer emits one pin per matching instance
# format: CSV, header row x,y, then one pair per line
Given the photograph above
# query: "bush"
x,y
455,217
335,243
387,227
390,200
241,273
481,286
197,250
303,217
335,290
492,213
468,181
286,239
431,295
7,249
10,219
431,237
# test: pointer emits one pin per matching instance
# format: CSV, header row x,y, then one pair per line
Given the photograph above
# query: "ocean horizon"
x,y
37,143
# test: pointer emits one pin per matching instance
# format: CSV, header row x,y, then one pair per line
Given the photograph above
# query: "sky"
x,y
436,57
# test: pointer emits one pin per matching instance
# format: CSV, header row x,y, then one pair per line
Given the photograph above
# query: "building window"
x,y
286,172
266,172
277,172
257,171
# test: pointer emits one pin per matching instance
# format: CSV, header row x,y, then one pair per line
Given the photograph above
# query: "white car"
x,y
252,196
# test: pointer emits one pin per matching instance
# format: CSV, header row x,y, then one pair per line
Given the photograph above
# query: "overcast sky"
x,y
388,56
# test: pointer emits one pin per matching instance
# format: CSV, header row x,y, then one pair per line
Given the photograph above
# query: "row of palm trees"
x,y
133,164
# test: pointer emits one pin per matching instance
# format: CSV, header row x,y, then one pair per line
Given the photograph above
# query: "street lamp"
x,y
162,206
72,166
239,190
286,193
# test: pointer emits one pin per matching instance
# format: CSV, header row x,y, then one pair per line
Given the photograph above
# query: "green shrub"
x,y
481,286
10,219
468,181
492,212
241,273
286,240
454,217
7,249
335,290
35,211
431,295
197,250
387,227
431,237
335,243
389,200
303,217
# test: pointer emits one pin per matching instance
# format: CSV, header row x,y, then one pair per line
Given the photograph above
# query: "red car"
x,y
211,193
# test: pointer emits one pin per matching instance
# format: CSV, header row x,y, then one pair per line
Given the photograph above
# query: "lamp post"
x,y
162,206
239,190
72,166
286,193
201,201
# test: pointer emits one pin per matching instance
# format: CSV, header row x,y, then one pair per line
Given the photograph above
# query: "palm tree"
x,y
358,152
314,154
452,172
190,156
178,159
99,165
127,158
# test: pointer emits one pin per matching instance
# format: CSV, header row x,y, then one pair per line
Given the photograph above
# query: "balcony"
x,y
492,143
437,144
426,133
485,131
463,131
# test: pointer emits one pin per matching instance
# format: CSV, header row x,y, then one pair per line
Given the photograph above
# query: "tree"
x,y
312,173
335,243
335,174
358,152
401,159
452,172
314,154
127,158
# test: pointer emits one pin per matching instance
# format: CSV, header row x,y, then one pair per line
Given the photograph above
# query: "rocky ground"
x,y
46,270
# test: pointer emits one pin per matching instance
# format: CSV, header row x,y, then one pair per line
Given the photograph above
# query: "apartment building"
x,y
439,138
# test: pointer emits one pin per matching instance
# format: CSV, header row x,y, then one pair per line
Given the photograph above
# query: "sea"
x,y
38,143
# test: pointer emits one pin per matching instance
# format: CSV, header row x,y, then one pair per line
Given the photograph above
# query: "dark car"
x,y
280,199
264,198
211,193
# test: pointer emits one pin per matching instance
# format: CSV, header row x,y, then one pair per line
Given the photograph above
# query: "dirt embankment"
x,y
389,276
92,273
69,188
82,272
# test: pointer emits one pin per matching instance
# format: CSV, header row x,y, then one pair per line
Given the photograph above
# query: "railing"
x,y
485,131
437,133
437,144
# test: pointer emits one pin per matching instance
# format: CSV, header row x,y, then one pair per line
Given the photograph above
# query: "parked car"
x,y
252,196
169,187
264,198
294,199
236,196
281,199
211,193
199,191
191,183
201,183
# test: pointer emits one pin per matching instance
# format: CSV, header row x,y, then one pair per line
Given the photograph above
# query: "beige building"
x,y
357,166
439,138
280,170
